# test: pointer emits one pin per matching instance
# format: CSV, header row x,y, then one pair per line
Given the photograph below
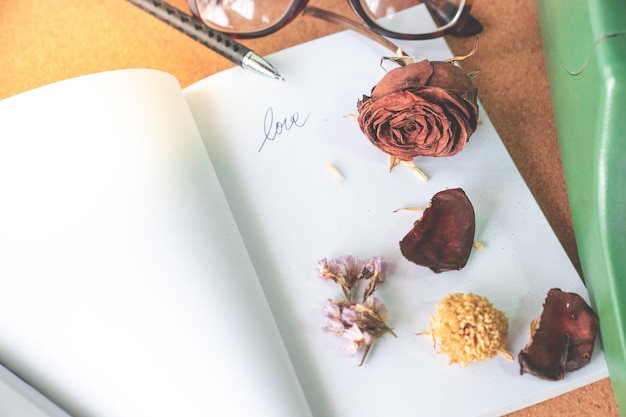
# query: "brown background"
x,y
47,41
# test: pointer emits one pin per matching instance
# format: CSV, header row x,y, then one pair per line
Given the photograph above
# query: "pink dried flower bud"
x,y
356,339
377,269
334,324
345,271
370,316
377,306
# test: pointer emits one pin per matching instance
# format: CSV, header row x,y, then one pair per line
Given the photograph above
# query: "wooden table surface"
x,y
47,41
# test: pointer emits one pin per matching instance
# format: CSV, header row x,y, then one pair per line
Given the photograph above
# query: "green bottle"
x,y
585,50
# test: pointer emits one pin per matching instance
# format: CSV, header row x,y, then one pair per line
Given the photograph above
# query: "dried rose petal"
x,y
442,239
426,108
562,339
439,74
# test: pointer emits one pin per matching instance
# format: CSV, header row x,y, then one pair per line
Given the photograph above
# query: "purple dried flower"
x,y
336,327
332,309
377,307
377,268
334,324
370,316
345,271
377,273
324,271
359,324
356,339
349,266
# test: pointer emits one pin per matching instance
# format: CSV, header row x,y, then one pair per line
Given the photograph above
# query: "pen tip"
x,y
259,65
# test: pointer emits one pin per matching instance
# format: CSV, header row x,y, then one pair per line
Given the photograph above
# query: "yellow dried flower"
x,y
468,328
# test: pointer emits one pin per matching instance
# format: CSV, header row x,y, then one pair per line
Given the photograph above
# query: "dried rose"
x,y
426,108
468,328
442,238
562,338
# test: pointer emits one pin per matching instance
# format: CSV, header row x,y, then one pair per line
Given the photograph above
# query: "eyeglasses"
x,y
391,18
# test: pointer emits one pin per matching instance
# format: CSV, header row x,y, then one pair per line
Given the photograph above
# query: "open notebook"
x,y
159,247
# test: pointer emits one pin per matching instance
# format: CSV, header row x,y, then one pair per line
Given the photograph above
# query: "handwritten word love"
x,y
272,129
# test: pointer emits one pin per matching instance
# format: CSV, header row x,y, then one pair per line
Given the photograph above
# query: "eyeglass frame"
x,y
466,25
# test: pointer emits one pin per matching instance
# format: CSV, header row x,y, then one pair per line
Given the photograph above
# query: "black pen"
x,y
217,41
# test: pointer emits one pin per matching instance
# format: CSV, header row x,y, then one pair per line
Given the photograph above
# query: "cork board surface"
x,y
45,42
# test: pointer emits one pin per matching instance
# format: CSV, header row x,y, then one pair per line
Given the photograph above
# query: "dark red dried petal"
x,y
450,77
442,239
444,75
564,339
403,78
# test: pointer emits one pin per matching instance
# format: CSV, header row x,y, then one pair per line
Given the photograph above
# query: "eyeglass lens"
x,y
412,17
242,16
401,16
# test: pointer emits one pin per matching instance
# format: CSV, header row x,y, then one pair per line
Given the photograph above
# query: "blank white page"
x,y
125,288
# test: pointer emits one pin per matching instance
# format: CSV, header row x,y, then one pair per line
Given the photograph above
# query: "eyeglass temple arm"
x,y
446,12
346,23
